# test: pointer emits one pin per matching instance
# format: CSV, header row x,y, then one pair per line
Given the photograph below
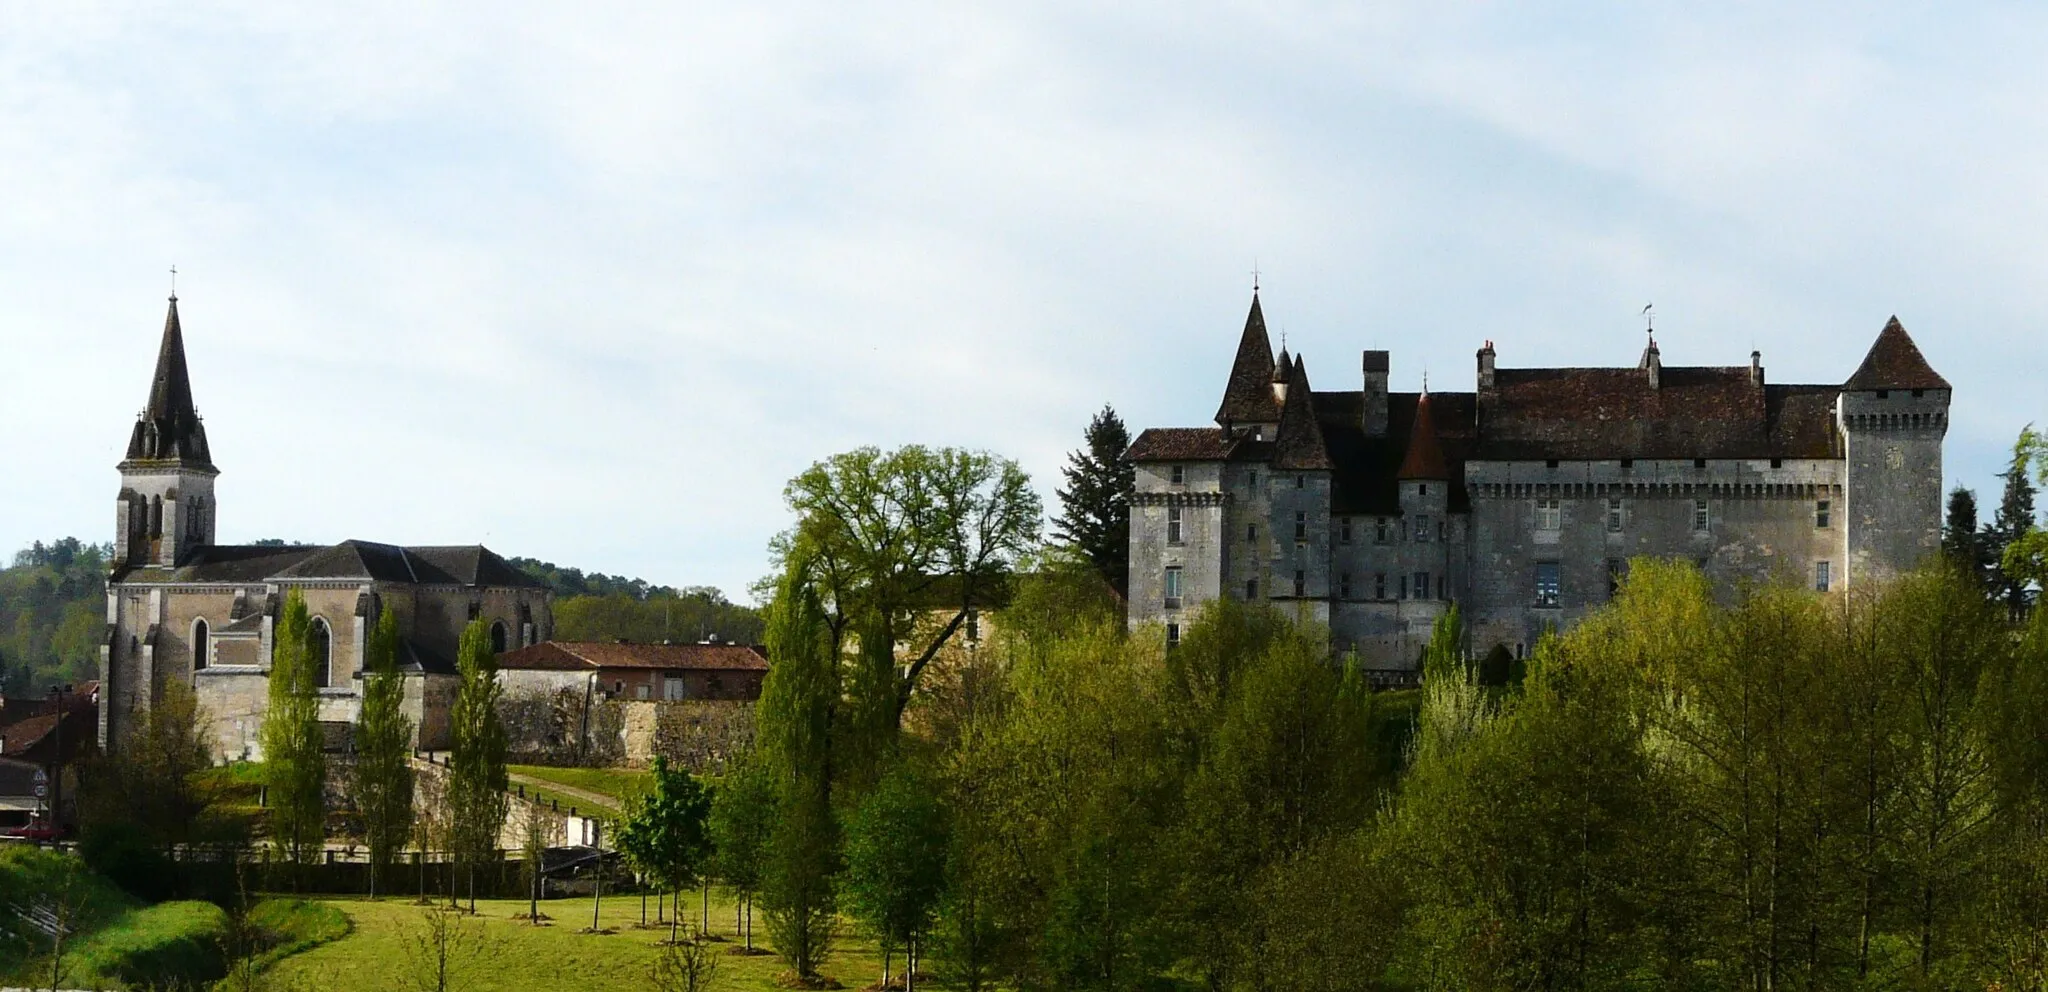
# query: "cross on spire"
x,y
1255,275
174,282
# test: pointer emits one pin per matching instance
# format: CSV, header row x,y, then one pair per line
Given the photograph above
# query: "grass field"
x,y
619,783
377,954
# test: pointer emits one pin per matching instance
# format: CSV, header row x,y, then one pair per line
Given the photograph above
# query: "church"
x,y
1522,502
181,607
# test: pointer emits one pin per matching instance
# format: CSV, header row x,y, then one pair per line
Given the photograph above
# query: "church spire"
x,y
169,428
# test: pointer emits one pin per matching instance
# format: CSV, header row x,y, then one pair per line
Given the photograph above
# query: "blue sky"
x,y
590,282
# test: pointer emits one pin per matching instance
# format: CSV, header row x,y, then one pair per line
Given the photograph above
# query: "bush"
x,y
120,852
173,944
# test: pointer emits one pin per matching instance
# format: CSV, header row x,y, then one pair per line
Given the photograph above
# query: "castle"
x,y
1522,502
180,607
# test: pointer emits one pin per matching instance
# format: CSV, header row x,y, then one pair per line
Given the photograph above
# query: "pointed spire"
x,y
1425,460
1284,368
169,427
1248,396
1299,441
1895,362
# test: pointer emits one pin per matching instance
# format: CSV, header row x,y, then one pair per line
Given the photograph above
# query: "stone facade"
x,y
1522,502
182,607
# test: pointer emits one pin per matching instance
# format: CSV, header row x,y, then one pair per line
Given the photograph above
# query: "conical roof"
x,y
1248,396
1284,368
1895,362
1425,458
1299,442
169,427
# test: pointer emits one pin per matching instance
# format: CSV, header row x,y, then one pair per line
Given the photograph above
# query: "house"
x,y
40,747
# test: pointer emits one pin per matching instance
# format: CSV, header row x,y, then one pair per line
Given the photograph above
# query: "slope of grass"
x,y
516,956
166,944
33,879
293,925
619,783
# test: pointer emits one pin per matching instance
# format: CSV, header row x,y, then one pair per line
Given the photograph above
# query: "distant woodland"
x,y
53,611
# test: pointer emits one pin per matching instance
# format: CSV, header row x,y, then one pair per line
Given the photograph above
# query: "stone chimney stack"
x,y
1486,368
1376,366
1651,365
1756,368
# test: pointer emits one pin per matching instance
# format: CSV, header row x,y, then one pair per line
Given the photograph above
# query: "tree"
x,y
689,966
796,708
294,749
2009,527
895,865
664,833
886,538
742,821
1961,541
539,829
443,952
381,781
1097,498
477,803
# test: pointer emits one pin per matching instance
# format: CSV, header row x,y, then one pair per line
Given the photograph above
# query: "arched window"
x,y
497,637
199,645
320,648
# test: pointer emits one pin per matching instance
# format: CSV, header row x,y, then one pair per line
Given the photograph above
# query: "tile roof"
x,y
169,428
1693,412
1895,362
1425,458
1298,444
572,655
1181,444
466,565
1248,396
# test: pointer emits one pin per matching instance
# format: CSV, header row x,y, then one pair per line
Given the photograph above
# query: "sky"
x,y
589,283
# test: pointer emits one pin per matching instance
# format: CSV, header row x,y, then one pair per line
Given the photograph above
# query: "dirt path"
x,y
597,799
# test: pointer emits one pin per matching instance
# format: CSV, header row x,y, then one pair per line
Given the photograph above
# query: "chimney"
x,y
1756,368
1651,364
1486,368
1375,415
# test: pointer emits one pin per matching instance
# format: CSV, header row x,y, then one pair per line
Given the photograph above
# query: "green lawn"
x,y
519,956
619,783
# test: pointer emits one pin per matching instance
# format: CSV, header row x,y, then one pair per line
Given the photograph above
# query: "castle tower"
x,y
1251,407
1893,414
165,508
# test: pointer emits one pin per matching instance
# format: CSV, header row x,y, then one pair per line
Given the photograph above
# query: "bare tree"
x,y
539,829
443,952
685,966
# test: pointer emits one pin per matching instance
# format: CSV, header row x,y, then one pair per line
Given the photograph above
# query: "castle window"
x,y
1379,585
1300,583
1300,525
1616,569
1627,463
1614,516
1699,463
1421,530
1700,518
320,648
1404,587
1549,584
1345,530
1440,525
1379,530
1172,635
1173,587
1884,394
1251,532
1820,576
1441,581
1300,481
1549,514
1551,463
498,636
1917,393
1422,489
1344,585
199,638
1173,527
1823,513
1251,589
1777,463
1254,475
1178,473
1422,585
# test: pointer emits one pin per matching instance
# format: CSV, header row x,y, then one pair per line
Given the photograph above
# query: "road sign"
x,y
42,776
42,791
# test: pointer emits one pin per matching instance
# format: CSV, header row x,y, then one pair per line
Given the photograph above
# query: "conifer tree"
x,y
2015,517
477,804
294,755
1961,542
381,783
795,718
1097,498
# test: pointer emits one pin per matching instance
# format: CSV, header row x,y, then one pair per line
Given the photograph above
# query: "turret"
x,y
1250,405
1893,414
165,507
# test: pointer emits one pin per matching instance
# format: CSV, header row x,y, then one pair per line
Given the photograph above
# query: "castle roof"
x,y
1248,396
467,565
169,430
1425,458
570,656
1895,362
1298,444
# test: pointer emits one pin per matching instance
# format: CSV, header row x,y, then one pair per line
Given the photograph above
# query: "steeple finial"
x,y
1255,277
174,284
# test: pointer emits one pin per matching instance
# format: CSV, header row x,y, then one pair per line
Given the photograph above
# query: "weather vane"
x,y
1255,275
1649,318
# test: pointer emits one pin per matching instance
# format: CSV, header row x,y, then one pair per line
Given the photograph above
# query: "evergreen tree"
x,y
1097,498
381,782
2015,517
294,749
477,804
795,721
1961,541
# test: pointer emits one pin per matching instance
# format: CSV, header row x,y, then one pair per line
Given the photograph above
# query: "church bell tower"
x,y
166,508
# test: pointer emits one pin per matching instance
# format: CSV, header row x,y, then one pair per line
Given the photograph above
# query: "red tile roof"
x,y
1425,458
1895,362
586,655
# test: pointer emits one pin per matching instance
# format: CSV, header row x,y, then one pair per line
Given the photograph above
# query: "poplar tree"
x,y
381,783
742,821
795,718
1097,498
477,803
294,754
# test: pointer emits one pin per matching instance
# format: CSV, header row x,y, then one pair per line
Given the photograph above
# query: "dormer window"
x,y
1178,474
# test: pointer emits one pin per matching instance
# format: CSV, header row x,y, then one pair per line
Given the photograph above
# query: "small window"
x,y
1172,635
1700,518
619,687
1300,583
1549,514
1300,481
1423,489
1173,587
1379,530
1440,530
1823,513
1884,394
1379,585
1255,472
1699,463
1173,525
1614,516
1251,589
1344,531
1549,585
1821,576
1777,463
1552,463
1422,530
1251,532
1179,474
642,691
1300,525
1344,585
1616,569
1422,585
1627,463
498,637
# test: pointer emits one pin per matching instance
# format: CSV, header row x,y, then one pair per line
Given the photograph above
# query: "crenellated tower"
x,y
1893,415
165,508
